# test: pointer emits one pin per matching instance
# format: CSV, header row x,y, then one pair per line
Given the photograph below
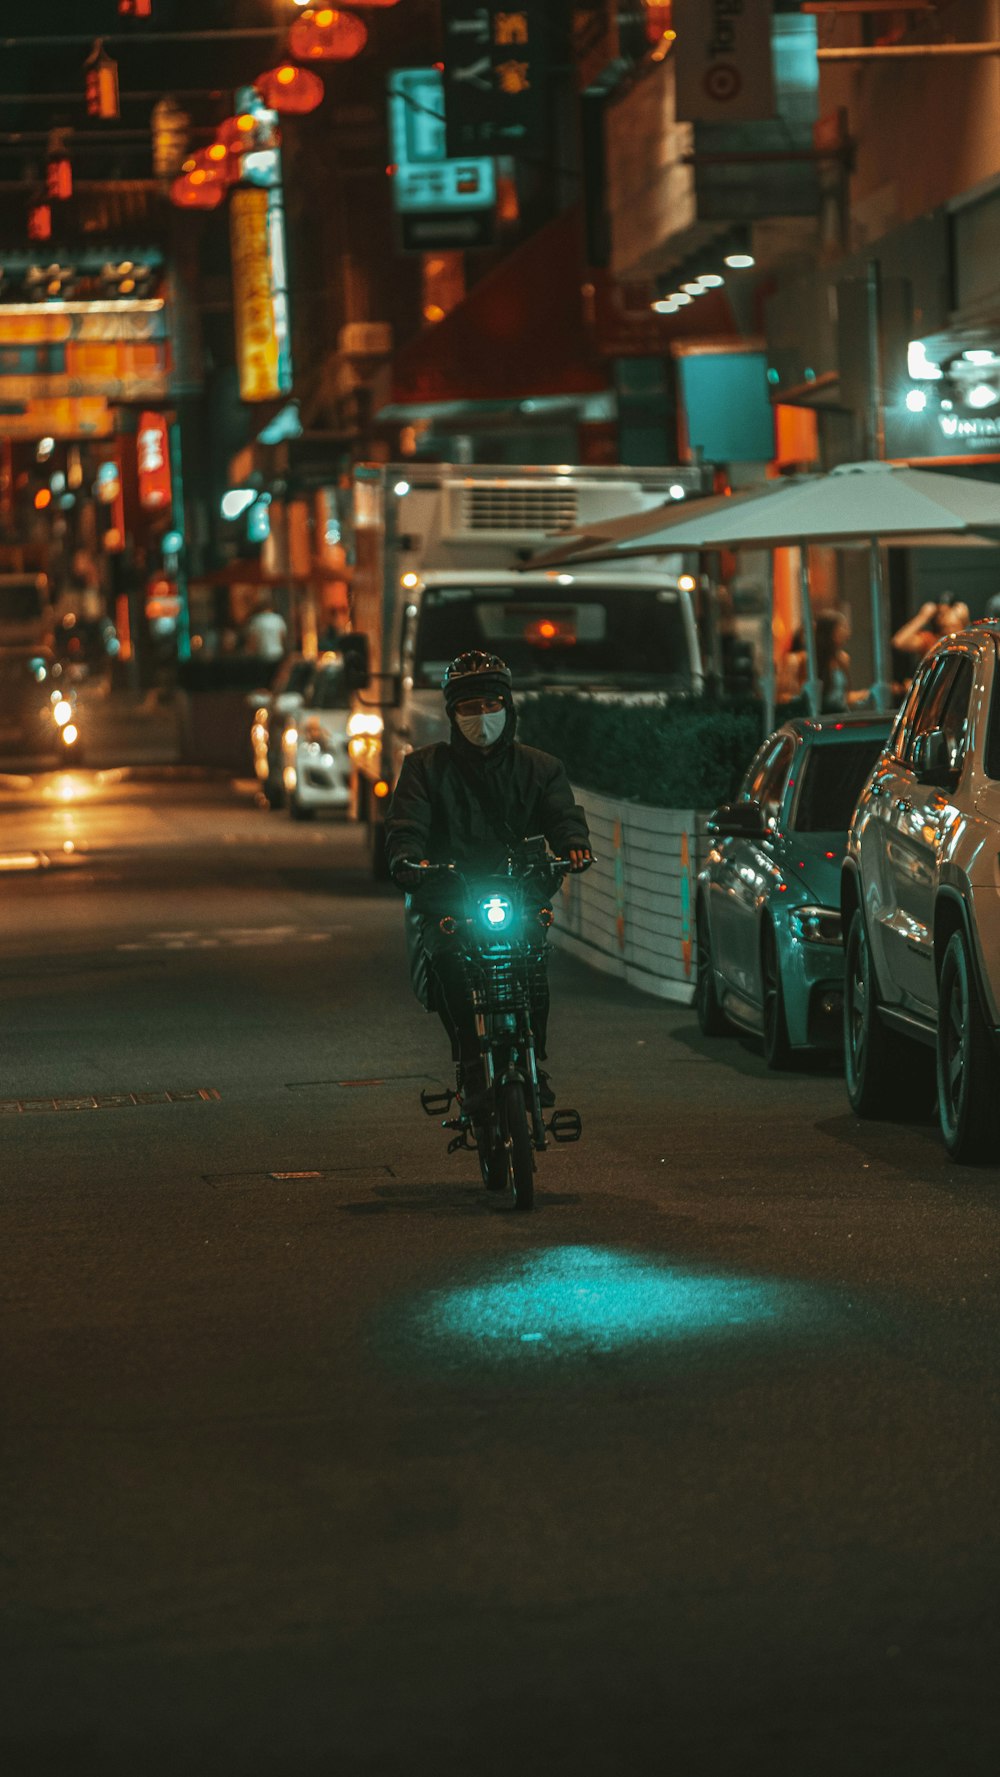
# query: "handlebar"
x,y
414,875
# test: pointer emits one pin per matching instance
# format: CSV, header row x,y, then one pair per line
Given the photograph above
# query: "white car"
x,y
316,764
920,902
271,711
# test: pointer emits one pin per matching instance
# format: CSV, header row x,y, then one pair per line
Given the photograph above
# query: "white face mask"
x,y
485,730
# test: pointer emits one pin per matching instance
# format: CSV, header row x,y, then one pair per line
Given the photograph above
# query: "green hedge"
x,y
688,753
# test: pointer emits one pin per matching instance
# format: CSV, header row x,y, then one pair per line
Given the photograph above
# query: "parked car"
x,y
767,913
317,767
272,709
38,709
920,901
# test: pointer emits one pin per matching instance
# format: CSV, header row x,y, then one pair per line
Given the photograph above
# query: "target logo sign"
x,y
723,82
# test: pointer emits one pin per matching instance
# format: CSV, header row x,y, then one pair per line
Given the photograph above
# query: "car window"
x,y
904,720
991,755
955,711
930,702
756,770
831,779
765,780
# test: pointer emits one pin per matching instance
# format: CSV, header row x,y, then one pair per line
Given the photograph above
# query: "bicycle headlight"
x,y
817,925
497,912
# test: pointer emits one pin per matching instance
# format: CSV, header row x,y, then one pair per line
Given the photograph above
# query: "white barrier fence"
x,y
632,913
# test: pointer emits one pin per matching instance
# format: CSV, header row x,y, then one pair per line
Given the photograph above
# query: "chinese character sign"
x,y
494,68
152,446
258,350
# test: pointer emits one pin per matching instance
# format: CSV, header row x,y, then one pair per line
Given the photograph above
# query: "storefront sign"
x,y
152,445
259,352
495,67
454,199
723,60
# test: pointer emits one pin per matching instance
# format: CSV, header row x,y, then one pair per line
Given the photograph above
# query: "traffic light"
x,y
101,83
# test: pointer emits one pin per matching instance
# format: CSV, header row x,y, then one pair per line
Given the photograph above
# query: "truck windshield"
x,y
577,634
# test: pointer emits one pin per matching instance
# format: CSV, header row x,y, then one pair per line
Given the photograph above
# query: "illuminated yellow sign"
x,y
258,351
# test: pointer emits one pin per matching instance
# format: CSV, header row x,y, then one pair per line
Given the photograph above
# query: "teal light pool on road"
x,y
593,1298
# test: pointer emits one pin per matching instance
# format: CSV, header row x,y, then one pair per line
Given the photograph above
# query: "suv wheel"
x,y
712,1020
965,1061
874,1057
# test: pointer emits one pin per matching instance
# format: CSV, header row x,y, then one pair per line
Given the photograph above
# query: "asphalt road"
x,y
316,1459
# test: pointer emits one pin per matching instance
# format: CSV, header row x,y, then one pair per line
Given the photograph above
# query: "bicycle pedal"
x,y
565,1126
437,1104
461,1142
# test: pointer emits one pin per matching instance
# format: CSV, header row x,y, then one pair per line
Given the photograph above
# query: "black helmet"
x,y
477,675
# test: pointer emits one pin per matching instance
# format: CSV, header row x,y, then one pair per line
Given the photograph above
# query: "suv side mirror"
x,y
932,761
737,820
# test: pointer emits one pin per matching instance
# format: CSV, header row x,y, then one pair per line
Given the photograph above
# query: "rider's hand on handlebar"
x,y
580,857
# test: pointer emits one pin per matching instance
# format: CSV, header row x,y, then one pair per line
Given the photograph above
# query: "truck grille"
x,y
513,511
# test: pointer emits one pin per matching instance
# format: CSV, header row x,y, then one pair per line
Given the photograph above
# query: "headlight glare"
x,y
497,912
62,712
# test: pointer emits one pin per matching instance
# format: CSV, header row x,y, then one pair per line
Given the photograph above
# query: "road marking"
x,y
233,938
107,1101
319,1175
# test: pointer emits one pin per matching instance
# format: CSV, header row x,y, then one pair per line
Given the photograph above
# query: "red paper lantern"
x,y
59,178
39,223
289,89
194,191
325,34
239,133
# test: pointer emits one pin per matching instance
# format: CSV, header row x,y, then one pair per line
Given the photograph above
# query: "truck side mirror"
x,y
357,660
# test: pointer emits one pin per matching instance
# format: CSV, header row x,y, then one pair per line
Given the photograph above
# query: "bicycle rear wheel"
x,y
519,1153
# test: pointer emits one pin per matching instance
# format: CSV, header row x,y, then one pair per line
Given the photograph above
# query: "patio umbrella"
x,y
873,503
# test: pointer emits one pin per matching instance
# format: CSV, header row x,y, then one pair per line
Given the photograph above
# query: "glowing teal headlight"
x,y
497,912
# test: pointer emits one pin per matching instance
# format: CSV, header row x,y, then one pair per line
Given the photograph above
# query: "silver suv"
x,y
920,900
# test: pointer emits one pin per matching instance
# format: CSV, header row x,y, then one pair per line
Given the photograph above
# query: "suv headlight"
x,y
817,925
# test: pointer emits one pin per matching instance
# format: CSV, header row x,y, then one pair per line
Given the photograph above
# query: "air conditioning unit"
x,y
508,511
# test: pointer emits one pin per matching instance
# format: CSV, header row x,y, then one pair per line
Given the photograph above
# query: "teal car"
x,y
769,946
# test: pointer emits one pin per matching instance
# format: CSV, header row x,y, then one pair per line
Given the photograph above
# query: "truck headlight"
x,y
365,722
817,925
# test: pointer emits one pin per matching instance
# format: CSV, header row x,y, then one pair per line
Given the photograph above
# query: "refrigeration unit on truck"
x,y
439,553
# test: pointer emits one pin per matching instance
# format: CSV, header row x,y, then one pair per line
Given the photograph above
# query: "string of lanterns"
x,y
318,34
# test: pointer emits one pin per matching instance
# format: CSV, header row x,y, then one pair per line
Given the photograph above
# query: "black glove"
x,y
406,872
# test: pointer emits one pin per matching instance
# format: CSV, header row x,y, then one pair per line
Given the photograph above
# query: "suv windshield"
x,y
830,782
577,634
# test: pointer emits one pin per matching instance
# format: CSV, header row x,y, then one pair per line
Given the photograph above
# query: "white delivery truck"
x,y
439,552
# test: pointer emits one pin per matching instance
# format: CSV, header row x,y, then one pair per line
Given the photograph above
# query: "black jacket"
x,y
453,806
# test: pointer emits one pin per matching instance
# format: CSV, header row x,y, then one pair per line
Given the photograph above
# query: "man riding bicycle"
x,y
471,801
